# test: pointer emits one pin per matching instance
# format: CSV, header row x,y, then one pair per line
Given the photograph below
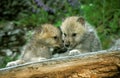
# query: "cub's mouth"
x,y
59,50
71,47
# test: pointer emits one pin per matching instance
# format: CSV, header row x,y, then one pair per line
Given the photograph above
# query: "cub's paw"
x,y
41,59
74,52
37,59
14,63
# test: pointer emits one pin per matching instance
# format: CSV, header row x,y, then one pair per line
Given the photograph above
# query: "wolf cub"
x,y
79,36
45,39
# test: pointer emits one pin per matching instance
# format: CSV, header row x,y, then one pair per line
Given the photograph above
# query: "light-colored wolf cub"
x,y
79,36
45,39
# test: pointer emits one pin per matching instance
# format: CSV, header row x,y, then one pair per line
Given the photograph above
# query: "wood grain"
x,y
101,64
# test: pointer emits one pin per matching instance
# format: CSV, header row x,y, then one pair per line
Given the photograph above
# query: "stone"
x,y
8,52
1,60
8,26
12,38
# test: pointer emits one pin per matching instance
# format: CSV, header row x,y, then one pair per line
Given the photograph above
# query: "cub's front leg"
x,y
37,59
74,52
13,63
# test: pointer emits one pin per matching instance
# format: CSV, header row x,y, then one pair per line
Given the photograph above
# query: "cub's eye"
x,y
55,37
64,34
74,34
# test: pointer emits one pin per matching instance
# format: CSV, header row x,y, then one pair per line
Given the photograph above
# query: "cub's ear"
x,y
81,20
37,32
38,29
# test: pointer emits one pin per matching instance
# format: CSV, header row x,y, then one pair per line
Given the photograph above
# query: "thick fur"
x,y
79,36
116,45
46,38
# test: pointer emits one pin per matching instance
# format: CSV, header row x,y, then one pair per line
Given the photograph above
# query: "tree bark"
x,y
101,64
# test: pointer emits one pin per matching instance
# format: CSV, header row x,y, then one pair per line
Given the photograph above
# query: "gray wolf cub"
x,y
79,36
45,39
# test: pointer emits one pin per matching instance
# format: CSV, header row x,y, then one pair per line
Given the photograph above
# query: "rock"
x,y
12,38
1,60
17,31
8,26
2,33
8,52
15,43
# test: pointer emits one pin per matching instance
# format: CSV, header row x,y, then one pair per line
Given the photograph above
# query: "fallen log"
x,y
101,64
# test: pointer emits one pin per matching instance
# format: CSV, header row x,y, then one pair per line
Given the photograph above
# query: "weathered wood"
x,y
100,64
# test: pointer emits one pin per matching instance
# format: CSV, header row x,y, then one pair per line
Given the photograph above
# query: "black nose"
x,y
67,45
